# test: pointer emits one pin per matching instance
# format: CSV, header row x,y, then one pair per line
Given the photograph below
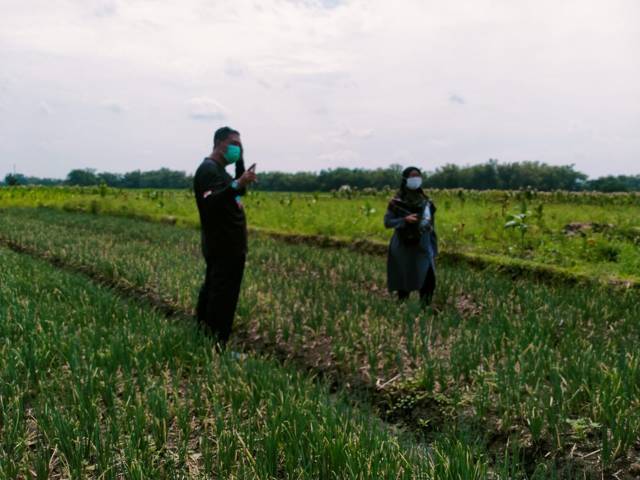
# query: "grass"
x,y
539,379
603,240
92,386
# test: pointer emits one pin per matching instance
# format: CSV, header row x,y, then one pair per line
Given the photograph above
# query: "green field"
x,y
503,378
94,386
595,236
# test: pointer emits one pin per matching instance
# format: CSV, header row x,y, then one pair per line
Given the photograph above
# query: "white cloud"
x,y
203,108
234,69
320,3
457,99
346,135
45,109
338,158
113,106
105,8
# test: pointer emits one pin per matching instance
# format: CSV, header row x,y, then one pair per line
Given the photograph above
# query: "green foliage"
x,y
509,176
526,362
610,183
330,180
491,175
486,176
163,178
468,222
82,178
94,387
518,221
14,179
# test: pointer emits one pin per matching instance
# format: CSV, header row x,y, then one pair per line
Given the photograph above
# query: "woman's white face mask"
x,y
414,183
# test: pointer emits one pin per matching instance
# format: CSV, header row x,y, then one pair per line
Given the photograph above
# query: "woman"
x,y
413,247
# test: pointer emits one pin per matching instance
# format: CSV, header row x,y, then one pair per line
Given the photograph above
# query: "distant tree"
x,y
330,179
82,178
110,179
508,176
610,183
132,179
164,178
484,176
13,179
19,179
488,175
47,182
448,176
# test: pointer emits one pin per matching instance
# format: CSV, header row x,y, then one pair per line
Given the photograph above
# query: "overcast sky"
x,y
119,85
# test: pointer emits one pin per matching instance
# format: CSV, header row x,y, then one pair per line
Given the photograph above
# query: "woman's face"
x,y
414,180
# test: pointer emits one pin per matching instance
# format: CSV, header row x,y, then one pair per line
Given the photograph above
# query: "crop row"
x,y
95,387
550,368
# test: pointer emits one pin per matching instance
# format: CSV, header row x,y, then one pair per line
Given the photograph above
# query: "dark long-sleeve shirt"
x,y
222,219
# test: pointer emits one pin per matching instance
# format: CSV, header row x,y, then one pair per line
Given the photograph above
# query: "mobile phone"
x,y
253,167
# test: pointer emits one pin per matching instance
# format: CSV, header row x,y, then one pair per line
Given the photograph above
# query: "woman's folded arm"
x,y
391,220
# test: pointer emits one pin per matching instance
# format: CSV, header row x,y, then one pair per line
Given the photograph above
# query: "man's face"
x,y
233,139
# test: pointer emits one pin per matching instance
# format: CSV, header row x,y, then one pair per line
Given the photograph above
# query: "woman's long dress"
x,y
407,265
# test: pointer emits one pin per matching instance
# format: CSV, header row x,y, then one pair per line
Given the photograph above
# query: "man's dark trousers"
x,y
219,295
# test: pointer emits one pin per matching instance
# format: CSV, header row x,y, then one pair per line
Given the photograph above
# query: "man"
x,y
223,230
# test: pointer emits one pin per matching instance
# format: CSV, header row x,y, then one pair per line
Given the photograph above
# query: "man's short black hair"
x,y
222,134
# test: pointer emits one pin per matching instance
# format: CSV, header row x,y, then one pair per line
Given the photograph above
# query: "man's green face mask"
x,y
232,155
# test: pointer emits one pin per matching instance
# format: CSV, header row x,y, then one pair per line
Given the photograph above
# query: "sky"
x,y
120,85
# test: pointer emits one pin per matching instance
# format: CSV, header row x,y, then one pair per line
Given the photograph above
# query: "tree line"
x,y
162,178
485,176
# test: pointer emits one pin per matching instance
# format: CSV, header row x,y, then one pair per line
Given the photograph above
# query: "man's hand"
x,y
247,178
413,218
